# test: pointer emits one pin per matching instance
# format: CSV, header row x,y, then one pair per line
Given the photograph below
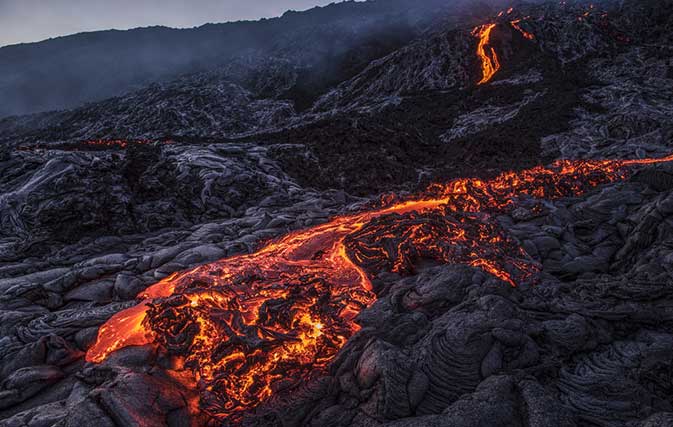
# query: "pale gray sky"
x,y
35,20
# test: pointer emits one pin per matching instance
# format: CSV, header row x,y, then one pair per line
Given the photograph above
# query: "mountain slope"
x,y
67,71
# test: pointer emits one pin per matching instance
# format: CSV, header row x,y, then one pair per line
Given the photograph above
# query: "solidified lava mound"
x,y
461,216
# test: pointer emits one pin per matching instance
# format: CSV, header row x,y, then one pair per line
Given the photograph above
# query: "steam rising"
x,y
330,44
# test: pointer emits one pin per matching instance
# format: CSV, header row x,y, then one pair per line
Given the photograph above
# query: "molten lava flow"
x,y
251,325
524,33
489,58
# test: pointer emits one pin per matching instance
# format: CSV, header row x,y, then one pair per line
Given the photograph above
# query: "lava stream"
x,y
250,325
489,58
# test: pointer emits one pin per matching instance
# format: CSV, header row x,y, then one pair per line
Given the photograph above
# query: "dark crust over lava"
x,y
84,227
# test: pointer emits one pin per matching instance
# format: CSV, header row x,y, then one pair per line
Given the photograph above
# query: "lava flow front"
x,y
250,325
489,58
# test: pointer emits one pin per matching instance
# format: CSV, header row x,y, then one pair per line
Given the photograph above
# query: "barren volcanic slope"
x,y
473,228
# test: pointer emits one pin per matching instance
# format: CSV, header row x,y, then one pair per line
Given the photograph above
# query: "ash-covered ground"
x,y
99,202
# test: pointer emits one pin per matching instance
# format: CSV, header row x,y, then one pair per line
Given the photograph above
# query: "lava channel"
x,y
250,325
489,58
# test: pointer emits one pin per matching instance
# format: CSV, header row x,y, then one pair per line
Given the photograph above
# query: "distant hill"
x,y
66,72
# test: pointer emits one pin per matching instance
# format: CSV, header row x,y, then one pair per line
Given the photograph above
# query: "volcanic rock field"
x,y
395,242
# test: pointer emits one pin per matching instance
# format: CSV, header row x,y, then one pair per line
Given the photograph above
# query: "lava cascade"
x,y
490,63
251,325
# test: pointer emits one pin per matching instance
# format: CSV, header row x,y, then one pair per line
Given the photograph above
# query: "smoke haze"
x,y
331,43
24,21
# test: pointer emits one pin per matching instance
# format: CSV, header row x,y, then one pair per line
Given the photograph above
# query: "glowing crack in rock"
x,y
249,325
516,25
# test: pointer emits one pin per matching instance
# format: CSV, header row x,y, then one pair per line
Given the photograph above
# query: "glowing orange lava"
x,y
489,58
251,325
524,33
116,143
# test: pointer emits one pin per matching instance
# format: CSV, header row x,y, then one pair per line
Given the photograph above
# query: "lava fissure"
x,y
516,24
249,324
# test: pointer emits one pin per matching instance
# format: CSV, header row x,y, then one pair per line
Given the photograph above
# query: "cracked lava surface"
x,y
248,325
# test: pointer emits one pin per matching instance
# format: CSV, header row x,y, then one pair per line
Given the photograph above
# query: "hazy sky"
x,y
34,20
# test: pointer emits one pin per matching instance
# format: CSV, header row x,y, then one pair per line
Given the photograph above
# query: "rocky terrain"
x,y
102,201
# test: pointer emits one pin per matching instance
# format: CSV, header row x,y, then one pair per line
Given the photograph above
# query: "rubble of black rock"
x,y
231,161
